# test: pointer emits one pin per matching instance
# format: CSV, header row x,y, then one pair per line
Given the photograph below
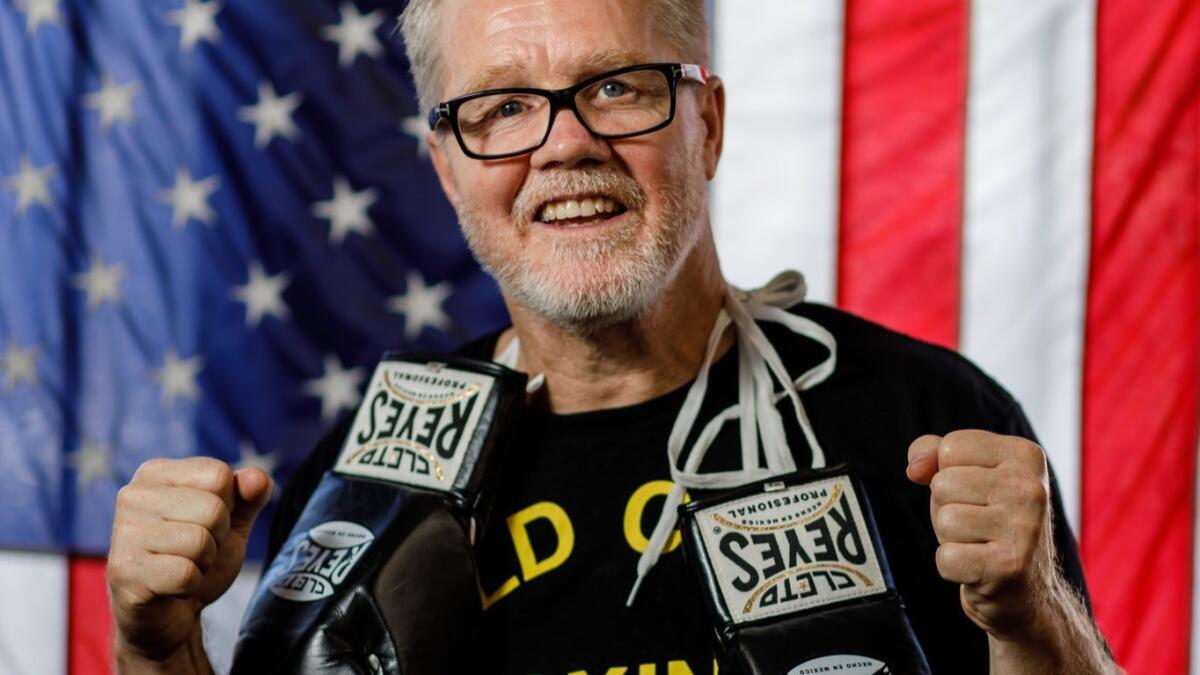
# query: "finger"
x,y
963,563
922,459
186,540
253,491
201,473
963,485
971,447
967,524
166,575
150,503
137,576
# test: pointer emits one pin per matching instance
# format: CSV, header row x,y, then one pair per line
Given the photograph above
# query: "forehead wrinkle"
x,y
609,59
516,16
509,72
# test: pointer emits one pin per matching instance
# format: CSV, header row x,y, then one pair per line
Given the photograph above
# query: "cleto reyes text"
x,y
820,556
433,427
316,570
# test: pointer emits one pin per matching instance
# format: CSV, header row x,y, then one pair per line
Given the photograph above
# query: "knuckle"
x,y
948,560
126,497
947,519
925,443
1028,491
130,595
1011,486
127,543
196,541
941,482
941,559
182,574
1029,453
130,498
120,535
213,513
208,547
947,556
115,570
955,444
150,467
949,443
217,474
956,436
122,569
960,437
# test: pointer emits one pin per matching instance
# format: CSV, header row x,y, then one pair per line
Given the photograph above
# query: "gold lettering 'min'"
x,y
673,668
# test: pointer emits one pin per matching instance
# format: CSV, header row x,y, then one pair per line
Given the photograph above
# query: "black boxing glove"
x,y
378,574
796,581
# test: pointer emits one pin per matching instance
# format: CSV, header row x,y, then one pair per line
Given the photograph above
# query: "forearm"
x,y
1063,640
189,659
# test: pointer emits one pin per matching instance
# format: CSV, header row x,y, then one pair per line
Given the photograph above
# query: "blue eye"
x,y
510,109
614,89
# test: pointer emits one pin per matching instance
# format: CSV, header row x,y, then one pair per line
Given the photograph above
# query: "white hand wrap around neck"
x,y
756,407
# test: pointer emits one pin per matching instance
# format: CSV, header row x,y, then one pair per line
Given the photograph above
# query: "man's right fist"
x,y
178,541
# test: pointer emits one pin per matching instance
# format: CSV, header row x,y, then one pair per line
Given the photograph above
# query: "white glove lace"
x,y
759,369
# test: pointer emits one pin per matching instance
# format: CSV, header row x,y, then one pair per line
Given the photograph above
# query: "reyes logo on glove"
x,y
791,548
414,424
319,562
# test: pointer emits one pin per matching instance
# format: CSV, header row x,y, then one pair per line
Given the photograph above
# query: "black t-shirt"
x,y
581,493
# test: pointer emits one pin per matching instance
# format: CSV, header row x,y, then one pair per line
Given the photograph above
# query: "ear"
x,y
441,164
713,113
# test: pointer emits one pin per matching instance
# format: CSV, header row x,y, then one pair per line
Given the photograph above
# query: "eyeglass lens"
x,y
627,103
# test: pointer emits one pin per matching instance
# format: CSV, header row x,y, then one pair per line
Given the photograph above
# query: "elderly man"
x,y
575,139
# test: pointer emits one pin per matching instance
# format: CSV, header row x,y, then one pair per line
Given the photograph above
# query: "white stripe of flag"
x,y
1027,213
775,196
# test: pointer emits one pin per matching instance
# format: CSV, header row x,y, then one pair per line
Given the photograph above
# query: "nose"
x,y
569,144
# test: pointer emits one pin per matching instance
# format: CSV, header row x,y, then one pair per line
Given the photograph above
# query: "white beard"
x,y
585,286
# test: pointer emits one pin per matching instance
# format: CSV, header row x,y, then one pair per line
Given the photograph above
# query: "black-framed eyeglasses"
x,y
630,101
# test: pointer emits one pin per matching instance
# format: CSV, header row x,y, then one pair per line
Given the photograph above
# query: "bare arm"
x,y
1062,640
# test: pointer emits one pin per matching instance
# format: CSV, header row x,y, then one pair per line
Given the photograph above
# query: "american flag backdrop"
x,y
215,216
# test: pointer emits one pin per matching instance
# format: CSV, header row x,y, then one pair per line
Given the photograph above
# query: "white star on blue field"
x,y
215,218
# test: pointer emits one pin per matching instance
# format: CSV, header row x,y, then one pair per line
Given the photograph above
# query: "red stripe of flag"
x,y
903,110
1141,370
90,625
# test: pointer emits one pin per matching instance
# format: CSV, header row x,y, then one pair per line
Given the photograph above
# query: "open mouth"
x,y
580,211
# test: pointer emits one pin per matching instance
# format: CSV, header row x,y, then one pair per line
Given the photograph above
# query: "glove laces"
x,y
759,369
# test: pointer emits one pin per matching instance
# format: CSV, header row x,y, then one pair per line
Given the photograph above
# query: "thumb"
x,y
923,459
252,489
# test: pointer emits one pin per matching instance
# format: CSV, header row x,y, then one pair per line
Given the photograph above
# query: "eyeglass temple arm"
x,y
695,72
436,115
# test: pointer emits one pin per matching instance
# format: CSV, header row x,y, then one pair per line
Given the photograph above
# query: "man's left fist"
x,y
990,507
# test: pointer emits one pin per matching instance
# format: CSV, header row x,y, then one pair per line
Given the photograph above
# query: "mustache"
x,y
593,180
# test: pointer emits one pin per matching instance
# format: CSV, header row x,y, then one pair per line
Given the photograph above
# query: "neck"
x,y
632,361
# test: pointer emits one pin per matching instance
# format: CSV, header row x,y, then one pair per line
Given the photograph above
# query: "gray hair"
x,y
684,25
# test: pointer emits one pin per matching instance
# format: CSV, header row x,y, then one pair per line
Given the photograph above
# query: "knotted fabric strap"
x,y
759,371
759,368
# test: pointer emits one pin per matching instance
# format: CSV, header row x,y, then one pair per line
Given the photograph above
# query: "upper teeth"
x,y
574,208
